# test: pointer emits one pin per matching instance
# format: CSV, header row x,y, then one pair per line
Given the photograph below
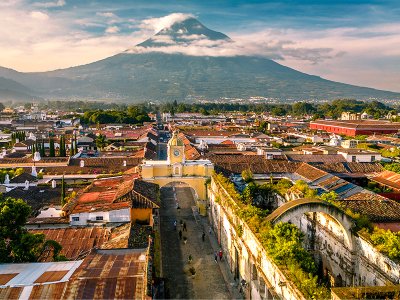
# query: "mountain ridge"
x,y
155,75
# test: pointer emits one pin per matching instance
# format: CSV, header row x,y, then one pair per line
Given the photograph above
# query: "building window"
x,y
75,219
353,158
99,218
373,158
177,170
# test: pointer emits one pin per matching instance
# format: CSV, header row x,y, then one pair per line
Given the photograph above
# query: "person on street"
x,y
184,226
175,224
220,254
180,234
203,236
216,256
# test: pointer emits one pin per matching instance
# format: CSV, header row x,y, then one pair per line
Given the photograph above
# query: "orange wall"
x,y
141,214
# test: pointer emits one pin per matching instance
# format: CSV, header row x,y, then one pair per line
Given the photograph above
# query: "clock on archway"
x,y
177,152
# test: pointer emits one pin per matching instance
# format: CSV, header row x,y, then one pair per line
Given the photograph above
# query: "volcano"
x,y
171,65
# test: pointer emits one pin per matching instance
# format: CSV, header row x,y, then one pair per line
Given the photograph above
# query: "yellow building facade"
x,y
177,169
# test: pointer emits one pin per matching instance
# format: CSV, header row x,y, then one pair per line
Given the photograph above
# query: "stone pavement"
x,y
209,281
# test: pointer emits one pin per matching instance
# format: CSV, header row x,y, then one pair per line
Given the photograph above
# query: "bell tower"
x,y
176,149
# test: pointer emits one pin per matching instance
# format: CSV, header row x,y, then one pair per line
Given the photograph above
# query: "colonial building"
x,y
356,127
177,168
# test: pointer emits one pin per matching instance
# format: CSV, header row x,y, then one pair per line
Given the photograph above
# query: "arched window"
x,y
177,170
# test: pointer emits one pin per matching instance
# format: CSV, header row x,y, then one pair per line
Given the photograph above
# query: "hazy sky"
x,y
354,42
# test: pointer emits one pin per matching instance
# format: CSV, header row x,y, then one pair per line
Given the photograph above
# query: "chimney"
x,y
26,185
82,163
53,184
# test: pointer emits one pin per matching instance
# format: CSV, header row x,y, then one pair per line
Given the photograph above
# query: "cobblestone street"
x,y
208,282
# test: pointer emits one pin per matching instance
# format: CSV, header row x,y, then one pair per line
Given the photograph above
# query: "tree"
x,y
330,197
247,175
63,151
260,196
16,243
282,186
387,241
72,150
52,150
284,244
75,144
42,150
101,141
2,106
302,108
303,187
63,201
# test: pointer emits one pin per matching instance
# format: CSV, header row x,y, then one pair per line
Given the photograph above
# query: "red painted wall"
x,y
350,131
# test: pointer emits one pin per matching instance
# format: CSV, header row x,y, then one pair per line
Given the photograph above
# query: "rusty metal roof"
x,y
110,274
4,278
388,178
107,274
51,276
76,242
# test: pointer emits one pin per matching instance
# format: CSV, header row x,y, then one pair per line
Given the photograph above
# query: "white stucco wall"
x,y
120,215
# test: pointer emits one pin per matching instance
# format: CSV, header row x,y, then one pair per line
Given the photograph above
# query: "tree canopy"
x,y
16,243
131,115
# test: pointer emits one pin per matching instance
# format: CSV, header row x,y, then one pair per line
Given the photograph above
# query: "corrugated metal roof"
x,y
110,274
4,278
76,241
51,276
107,274
28,273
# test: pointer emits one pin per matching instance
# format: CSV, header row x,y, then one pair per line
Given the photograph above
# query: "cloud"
x,y
263,46
106,14
58,3
112,29
157,24
29,46
110,17
38,15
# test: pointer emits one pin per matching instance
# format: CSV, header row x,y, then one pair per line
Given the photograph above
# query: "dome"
x,y
175,140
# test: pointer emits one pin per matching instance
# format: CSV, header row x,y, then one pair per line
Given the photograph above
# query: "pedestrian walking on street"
x,y
216,256
175,224
220,254
184,226
180,234
203,236
209,230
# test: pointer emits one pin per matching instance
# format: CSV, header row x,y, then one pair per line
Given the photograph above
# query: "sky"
x,y
353,41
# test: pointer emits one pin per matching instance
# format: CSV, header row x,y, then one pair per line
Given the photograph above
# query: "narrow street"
x,y
208,282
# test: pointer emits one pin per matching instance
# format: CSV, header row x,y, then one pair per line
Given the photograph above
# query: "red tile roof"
x,y
375,207
309,172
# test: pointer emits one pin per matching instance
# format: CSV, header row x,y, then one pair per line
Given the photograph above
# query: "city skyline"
x,y
354,42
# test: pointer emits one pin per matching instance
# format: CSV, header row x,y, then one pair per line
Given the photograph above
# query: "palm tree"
x,y
101,141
